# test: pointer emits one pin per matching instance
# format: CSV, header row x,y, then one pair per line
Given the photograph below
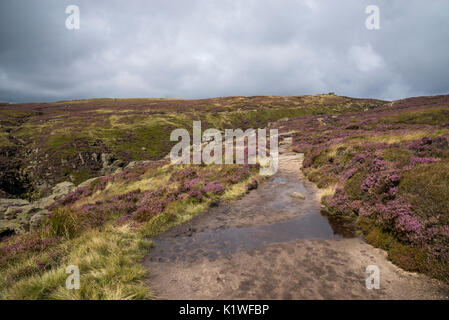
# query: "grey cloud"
x,y
204,48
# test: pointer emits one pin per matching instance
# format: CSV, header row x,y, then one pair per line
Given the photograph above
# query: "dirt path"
x,y
270,245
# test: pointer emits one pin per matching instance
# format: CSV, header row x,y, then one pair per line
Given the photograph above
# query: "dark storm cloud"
x,y
205,48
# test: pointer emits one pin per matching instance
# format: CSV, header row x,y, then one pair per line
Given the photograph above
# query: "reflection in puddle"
x,y
224,242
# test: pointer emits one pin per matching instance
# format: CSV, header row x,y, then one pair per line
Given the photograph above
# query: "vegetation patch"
x,y
426,187
392,177
106,231
432,117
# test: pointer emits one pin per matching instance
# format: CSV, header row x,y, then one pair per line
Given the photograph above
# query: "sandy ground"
x,y
270,245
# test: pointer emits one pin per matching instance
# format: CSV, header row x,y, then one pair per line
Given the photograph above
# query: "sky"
x,y
215,48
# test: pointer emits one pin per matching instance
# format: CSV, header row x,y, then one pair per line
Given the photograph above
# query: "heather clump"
x,y
339,204
397,216
32,242
213,188
430,147
415,161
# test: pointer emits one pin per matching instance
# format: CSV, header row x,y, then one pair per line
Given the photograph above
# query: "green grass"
x,y
426,187
398,155
4,141
138,143
67,145
432,117
322,180
81,175
353,186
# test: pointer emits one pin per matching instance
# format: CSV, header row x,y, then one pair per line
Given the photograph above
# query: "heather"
x,y
106,227
390,172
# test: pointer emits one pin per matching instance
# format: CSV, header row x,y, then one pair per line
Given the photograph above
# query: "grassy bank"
x,y
105,229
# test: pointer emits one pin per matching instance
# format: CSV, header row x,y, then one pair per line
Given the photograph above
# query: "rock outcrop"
x,y
18,216
110,164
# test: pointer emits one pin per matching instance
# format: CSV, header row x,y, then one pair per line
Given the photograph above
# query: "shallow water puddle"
x,y
267,215
224,242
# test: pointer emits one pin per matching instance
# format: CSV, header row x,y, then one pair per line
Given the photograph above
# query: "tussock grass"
x,y
325,192
108,269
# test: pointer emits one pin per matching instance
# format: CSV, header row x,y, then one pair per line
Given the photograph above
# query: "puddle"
x,y
266,216
225,242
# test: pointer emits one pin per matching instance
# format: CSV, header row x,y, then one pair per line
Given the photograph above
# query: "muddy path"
x,y
272,244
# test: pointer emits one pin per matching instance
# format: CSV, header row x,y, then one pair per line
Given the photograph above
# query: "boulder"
x,y
38,219
253,184
28,217
110,164
87,183
6,203
14,204
18,216
61,189
137,164
58,191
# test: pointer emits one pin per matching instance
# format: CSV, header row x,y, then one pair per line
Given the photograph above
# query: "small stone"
x,y
252,185
298,195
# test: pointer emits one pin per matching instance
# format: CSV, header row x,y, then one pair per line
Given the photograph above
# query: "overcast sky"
x,y
210,48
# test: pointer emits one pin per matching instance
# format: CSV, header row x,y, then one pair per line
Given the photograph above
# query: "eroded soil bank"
x,y
272,244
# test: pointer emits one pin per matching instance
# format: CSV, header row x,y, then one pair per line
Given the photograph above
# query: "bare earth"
x,y
270,245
